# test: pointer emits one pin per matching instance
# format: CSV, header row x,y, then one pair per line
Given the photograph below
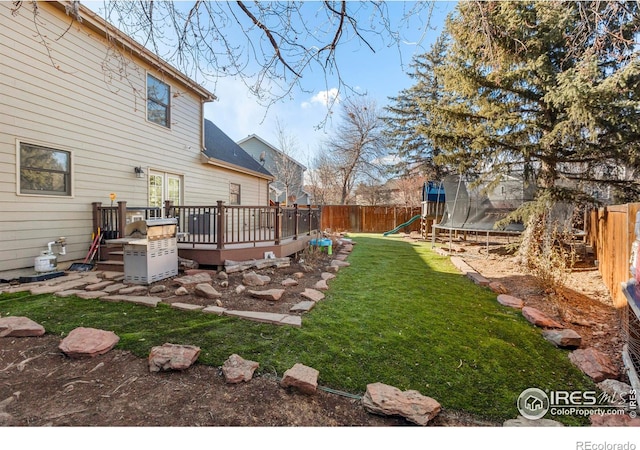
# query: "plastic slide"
x,y
408,222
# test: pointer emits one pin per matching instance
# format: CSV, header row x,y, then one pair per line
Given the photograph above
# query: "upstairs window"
x,y
158,95
234,194
44,170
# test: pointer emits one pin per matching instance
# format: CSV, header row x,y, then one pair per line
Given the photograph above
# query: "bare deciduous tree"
x,y
357,146
268,45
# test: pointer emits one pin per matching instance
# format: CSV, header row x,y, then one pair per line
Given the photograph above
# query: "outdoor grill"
x,y
151,254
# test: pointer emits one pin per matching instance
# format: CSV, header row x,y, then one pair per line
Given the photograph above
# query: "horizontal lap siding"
x,y
93,105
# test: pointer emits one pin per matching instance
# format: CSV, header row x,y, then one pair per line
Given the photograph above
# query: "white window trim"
x,y
165,185
53,147
146,104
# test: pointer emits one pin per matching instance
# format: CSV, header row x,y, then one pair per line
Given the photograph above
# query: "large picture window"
x,y
44,170
158,101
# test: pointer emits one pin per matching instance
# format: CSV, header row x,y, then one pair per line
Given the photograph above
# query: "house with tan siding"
x,y
89,115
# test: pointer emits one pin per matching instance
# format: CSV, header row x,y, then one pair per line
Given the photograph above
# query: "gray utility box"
x,y
154,258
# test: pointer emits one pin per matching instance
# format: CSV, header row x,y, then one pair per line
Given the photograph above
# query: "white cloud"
x,y
325,98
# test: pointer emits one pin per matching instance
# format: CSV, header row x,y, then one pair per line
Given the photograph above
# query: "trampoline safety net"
x,y
475,210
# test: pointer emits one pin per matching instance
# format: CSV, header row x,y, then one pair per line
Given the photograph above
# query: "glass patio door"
x,y
164,186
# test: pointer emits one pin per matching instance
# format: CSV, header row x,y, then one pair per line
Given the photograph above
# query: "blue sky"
x,y
380,74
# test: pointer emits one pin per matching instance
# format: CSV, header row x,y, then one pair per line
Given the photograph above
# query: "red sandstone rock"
x,y
237,369
88,342
390,401
172,357
594,363
19,327
302,378
539,319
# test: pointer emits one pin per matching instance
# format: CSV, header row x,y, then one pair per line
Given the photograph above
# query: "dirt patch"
x,y
40,386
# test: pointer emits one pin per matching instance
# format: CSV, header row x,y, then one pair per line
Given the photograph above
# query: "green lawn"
x,y
400,315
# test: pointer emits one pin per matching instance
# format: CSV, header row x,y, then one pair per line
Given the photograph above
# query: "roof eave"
x,y
94,22
225,165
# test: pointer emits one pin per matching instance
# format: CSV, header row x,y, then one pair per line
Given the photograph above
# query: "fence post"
x,y
97,207
122,218
309,218
277,231
220,229
296,216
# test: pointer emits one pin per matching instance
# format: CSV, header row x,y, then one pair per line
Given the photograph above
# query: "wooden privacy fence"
x,y
368,219
610,231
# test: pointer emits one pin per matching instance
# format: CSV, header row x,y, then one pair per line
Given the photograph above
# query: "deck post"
x,y
96,207
220,226
168,205
296,225
277,230
122,218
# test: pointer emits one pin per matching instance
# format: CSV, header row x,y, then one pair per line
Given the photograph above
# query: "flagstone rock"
x,y
214,310
140,290
566,338
88,342
332,269
321,285
68,293
212,273
115,288
111,275
539,319
222,276
138,300
172,357
298,275
90,295
181,291
98,286
303,306
338,263
240,289
312,295
301,378
73,284
288,282
327,276
594,363
387,400
237,369
186,306
269,294
614,420
192,280
497,287
18,326
511,301
253,279
157,289
207,291
524,422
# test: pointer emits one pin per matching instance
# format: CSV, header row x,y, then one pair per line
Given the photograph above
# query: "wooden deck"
x,y
209,255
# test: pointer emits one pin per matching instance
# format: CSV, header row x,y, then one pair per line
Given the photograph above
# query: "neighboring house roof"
x,y
97,24
275,149
222,151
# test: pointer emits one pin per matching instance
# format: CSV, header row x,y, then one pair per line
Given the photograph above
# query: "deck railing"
x,y
218,225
